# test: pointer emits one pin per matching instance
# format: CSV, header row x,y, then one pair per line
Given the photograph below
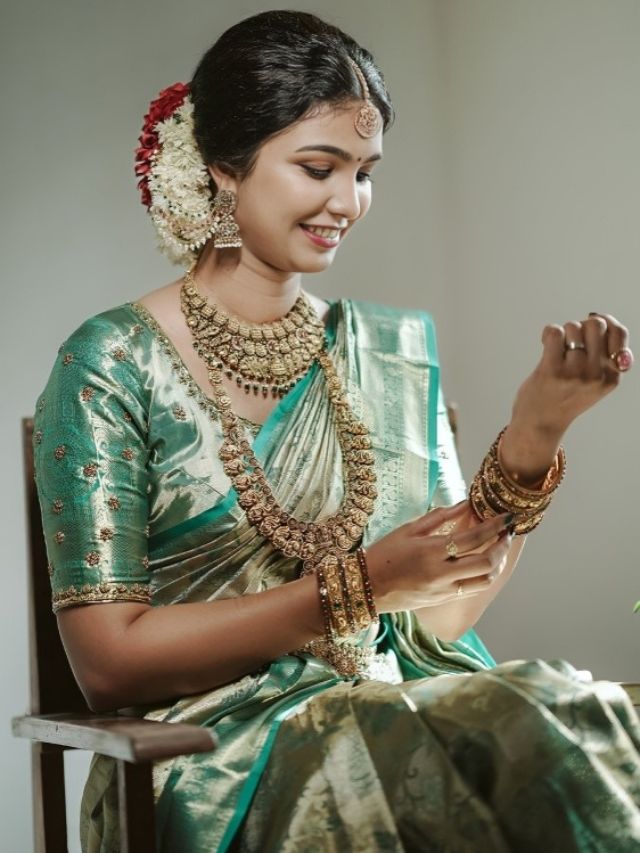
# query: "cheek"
x,y
274,202
365,201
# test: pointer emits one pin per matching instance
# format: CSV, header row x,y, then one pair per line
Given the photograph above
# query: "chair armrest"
x,y
633,689
128,738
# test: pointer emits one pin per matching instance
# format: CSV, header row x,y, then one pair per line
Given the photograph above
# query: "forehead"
x,y
328,126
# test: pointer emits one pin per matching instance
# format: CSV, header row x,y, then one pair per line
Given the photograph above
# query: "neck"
x,y
244,288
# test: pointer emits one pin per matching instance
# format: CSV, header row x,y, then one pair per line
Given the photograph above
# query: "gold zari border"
x,y
111,591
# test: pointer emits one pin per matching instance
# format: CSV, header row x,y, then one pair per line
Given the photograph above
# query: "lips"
x,y
326,237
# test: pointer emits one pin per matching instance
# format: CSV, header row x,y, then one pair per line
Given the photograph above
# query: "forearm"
x,y
151,654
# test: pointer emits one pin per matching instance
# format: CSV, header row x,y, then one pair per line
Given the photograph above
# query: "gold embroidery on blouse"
x,y
114,503
147,531
127,454
90,470
106,533
101,592
136,329
41,403
127,416
145,561
37,436
179,413
119,354
92,558
50,569
68,358
57,506
87,393
59,537
60,451
194,390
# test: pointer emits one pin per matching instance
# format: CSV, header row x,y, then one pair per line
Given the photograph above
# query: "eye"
x,y
322,174
318,174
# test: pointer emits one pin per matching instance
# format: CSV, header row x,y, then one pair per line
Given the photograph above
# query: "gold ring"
x,y
452,550
459,588
623,359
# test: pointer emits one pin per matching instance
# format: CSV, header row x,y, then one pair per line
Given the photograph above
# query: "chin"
x,y
317,264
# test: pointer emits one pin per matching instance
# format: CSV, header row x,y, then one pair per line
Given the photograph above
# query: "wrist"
x,y
377,576
527,452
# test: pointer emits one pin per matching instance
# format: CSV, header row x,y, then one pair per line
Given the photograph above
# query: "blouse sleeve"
x,y
450,485
90,460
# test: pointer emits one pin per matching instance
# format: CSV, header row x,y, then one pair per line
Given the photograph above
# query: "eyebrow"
x,y
339,152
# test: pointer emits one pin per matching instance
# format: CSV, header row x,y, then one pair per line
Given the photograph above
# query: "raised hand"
x,y
581,363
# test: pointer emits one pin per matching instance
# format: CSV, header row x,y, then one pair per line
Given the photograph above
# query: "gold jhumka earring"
x,y
226,234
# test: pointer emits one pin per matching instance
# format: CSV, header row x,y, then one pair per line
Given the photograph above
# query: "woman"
x,y
211,458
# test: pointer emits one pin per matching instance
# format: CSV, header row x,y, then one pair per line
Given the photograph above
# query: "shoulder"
x,y
103,333
104,353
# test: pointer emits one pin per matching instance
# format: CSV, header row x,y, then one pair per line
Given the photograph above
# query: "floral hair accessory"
x,y
174,181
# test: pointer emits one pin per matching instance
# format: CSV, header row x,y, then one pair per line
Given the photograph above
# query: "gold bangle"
x,y
357,592
493,491
337,607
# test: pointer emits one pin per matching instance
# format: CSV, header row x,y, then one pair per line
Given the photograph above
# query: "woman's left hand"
x,y
581,363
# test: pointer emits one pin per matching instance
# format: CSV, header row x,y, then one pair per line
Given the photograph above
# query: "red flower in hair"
x,y
164,106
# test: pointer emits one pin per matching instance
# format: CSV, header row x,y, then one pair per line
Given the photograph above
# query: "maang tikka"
x,y
226,234
368,120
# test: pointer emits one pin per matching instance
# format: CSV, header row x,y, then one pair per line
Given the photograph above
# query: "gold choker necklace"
x,y
261,357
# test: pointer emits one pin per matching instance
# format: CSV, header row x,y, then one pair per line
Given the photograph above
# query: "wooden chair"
x,y
59,718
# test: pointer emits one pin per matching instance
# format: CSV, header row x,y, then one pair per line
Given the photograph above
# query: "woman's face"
x,y
311,177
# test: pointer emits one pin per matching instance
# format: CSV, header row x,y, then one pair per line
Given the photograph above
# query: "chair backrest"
x,y
53,686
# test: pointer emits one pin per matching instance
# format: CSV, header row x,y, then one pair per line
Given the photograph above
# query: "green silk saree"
x,y
435,748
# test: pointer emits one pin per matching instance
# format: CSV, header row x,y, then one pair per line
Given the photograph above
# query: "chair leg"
x,y
49,805
137,808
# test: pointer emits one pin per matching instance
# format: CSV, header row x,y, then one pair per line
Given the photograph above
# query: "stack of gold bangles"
x,y
346,595
493,492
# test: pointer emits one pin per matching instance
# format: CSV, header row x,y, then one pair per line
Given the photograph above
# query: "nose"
x,y
345,200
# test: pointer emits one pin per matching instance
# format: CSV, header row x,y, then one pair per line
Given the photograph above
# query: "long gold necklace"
x,y
309,541
265,357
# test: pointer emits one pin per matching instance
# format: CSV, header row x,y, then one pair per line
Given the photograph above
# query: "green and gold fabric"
x,y
434,748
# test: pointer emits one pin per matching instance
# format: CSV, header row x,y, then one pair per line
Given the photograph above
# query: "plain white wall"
x,y
507,199
542,133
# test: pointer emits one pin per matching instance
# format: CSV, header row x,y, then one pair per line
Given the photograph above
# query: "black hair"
x,y
269,71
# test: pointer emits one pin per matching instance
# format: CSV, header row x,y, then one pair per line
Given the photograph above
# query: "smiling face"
x,y
310,184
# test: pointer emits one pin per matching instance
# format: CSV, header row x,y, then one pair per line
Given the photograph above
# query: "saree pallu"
x,y
436,748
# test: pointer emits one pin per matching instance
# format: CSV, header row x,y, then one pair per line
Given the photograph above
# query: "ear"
x,y
224,179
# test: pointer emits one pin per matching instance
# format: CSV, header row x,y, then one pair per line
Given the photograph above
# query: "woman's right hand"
x,y
410,567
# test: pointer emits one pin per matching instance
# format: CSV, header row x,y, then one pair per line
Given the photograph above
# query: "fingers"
x,y
465,589
575,348
485,563
595,338
553,341
589,348
617,339
478,536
